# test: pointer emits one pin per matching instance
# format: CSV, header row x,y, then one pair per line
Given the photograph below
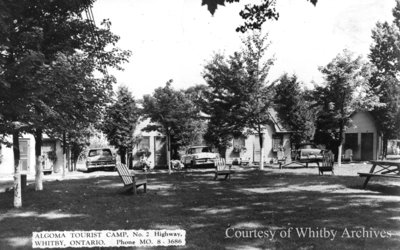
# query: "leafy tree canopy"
x,y
222,99
120,121
172,113
254,15
293,108
239,96
346,91
48,55
385,80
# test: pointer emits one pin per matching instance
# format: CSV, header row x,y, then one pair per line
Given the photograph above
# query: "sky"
x,y
174,39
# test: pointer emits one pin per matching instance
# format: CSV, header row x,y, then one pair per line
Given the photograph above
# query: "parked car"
x,y
100,158
308,152
199,156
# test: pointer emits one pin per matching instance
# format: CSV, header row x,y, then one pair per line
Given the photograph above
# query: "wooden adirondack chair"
x,y
327,163
221,168
130,180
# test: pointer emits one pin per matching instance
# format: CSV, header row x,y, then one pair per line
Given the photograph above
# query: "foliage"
x,y
168,111
98,140
293,109
257,97
221,103
194,128
144,152
239,148
167,108
48,54
253,14
47,43
346,91
238,96
384,55
79,141
120,121
52,156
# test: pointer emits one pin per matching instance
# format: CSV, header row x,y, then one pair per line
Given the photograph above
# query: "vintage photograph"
x,y
200,124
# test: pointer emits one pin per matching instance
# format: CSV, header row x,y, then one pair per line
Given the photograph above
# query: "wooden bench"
x,y
131,182
378,175
369,175
328,161
221,168
382,168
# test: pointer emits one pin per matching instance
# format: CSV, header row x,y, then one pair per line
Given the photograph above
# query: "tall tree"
x,y
258,94
36,34
192,129
293,108
239,96
385,56
167,110
346,91
120,122
225,79
79,141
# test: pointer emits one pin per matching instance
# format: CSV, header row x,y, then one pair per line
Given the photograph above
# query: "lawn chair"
x,y
327,163
131,182
221,168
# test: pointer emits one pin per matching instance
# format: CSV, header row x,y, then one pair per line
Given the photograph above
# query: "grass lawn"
x,y
272,199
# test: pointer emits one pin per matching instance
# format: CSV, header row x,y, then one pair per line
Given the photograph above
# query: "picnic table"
x,y
382,168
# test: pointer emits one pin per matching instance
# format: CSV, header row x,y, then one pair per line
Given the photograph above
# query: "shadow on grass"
x,y
193,201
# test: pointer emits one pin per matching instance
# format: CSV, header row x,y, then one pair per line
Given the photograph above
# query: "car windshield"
x,y
200,150
102,152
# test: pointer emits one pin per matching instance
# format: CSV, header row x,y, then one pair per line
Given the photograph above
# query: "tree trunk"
x,y
64,154
69,159
384,146
38,165
74,160
169,152
17,171
340,146
261,138
122,153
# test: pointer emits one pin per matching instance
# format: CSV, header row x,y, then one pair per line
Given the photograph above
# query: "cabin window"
x,y
144,143
239,144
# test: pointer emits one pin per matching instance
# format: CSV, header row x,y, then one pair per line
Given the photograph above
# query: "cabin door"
x,y
160,150
367,146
